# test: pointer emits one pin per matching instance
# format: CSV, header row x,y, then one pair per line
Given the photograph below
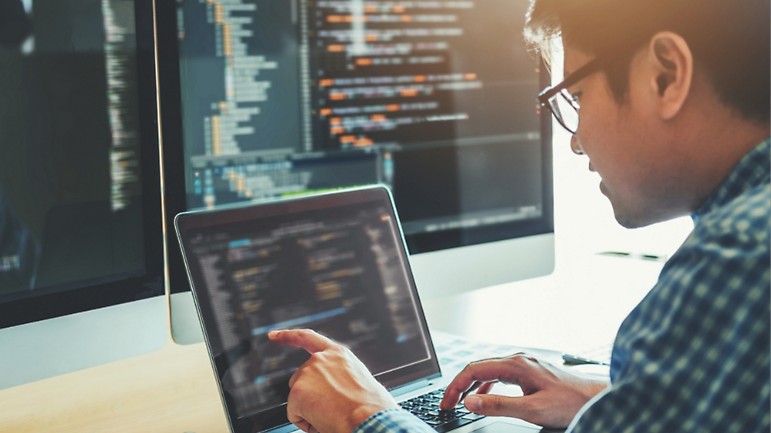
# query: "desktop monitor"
x,y
270,98
81,265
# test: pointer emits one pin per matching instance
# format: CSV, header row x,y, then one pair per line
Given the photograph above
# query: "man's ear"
x,y
671,62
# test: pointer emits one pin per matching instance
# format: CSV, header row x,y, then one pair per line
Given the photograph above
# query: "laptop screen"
x,y
335,263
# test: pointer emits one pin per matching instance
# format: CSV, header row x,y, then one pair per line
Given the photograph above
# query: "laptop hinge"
x,y
412,386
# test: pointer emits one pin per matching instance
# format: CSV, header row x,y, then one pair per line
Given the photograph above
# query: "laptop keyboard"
x,y
426,407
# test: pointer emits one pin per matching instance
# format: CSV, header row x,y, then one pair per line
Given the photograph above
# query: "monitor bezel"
x,y
80,297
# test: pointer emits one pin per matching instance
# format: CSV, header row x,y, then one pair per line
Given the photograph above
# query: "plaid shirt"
x,y
394,421
694,354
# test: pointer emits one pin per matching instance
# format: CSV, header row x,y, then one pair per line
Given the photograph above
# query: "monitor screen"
x,y
80,215
272,98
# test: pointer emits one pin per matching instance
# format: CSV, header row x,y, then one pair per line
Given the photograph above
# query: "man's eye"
x,y
576,97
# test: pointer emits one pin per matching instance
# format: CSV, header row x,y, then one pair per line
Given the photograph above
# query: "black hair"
x,y
729,40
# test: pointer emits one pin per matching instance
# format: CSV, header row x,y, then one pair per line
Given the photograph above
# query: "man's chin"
x,y
635,220
628,218
630,223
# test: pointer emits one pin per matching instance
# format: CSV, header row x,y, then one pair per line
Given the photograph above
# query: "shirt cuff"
x,y
393,421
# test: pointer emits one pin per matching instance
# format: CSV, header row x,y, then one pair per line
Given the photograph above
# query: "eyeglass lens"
x,y
565,109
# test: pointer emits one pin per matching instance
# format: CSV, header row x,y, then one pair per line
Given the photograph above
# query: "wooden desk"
x,y
170,391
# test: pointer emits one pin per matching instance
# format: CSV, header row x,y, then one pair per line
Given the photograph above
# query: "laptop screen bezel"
x,y
186,225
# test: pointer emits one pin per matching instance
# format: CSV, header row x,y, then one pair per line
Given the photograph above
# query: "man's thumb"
x,y
490,404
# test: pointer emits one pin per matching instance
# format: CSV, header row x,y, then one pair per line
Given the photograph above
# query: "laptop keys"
x,y
426,407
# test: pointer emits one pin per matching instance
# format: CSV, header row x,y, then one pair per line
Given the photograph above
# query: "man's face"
x,y
625,146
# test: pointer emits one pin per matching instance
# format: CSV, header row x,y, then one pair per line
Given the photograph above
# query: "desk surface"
x,y
173,390
170,391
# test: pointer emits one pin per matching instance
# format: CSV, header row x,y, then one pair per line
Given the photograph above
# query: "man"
x,y
673,102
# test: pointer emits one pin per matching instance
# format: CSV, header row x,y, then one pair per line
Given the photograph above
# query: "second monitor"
x,y
270,98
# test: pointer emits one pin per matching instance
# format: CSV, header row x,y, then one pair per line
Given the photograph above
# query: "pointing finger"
x,y
306,339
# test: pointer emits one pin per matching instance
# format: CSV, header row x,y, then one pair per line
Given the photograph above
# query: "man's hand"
x,y
552,396
332,392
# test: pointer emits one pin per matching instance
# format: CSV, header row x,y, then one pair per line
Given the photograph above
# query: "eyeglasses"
x,y
564,105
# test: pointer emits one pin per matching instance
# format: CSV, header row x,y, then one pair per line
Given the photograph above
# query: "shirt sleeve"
x,y
393,421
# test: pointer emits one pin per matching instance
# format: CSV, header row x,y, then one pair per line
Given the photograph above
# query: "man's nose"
x,y
575,146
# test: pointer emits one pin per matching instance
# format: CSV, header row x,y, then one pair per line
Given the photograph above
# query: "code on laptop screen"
x,y
338,271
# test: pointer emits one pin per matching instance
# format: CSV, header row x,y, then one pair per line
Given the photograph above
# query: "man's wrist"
x,y
393,420
363,413
594,387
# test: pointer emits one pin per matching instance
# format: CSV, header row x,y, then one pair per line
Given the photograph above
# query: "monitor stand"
x,y
185,324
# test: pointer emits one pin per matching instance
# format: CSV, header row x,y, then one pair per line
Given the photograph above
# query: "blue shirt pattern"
x,y
693,356
394,421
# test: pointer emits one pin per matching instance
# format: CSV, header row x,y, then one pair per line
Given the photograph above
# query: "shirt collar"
x,y
752,170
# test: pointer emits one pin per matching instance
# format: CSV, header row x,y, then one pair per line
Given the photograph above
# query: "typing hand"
x,y
552,396
333,391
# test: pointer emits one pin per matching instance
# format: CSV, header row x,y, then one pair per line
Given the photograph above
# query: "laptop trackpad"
x,y
500,427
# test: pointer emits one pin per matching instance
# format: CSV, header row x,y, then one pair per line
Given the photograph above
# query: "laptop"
x,y
333,262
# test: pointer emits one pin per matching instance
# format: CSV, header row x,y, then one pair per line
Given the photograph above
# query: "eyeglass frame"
x,y
549,92
592,66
